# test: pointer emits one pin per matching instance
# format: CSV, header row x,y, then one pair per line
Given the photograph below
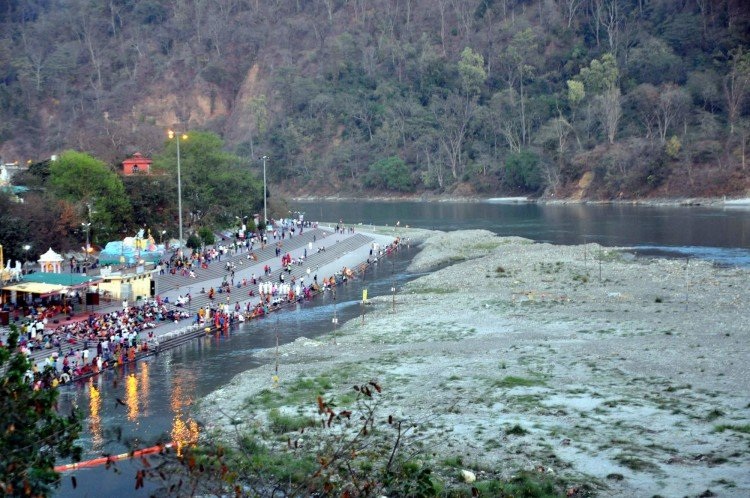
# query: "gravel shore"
x,y
626,375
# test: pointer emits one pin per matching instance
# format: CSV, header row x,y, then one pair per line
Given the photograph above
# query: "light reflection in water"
x,y
131,396
95,421
182,384
183,431
145,386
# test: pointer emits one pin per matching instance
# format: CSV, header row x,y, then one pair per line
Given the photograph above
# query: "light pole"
x,y
335,319
25,257
172,135
86,226
393,286
265,209
161,239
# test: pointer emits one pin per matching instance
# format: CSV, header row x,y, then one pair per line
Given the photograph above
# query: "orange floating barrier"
x,y
112,458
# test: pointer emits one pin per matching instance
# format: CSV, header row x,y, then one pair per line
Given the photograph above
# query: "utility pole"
x,y
393,285
265,207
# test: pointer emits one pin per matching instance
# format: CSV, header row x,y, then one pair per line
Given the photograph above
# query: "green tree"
x,y
216,185
206,235
391,173
154,199
522,171
600,79
194,242
471,70
32,433
98,191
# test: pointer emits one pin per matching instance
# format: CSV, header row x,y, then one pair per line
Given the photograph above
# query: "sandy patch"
x,y
635,383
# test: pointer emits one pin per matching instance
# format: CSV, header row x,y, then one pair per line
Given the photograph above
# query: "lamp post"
x,y
335,319
25,257
161,238
393,286
172,135
86,226
265,209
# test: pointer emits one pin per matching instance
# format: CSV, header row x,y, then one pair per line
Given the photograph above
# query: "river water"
x,y
157,394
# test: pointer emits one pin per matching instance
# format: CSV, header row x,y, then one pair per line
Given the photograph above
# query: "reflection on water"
x,y
95,421
131,396
184,432
144,379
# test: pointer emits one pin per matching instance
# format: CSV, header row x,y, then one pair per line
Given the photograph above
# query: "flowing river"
x,y
156,395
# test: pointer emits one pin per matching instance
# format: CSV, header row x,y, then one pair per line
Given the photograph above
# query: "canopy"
x,y
43,290
70,280
50,255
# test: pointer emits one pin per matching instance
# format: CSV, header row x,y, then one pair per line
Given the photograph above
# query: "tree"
x,y
194,242
216,185
32,433
672,105
600,79
522,171
517,60
391,173
737,85
96,189
453,114
471,70
206,235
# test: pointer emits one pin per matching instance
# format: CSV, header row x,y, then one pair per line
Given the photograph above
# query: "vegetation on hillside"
x,y
638,97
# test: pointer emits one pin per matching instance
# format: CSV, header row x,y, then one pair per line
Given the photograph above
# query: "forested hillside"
x,y
597,99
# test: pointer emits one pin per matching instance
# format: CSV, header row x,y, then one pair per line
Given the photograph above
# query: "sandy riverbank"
x,y
635,384
712,202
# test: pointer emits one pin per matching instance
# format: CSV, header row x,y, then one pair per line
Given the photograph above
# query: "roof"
x,y
137,158
65,279
50,255
36,288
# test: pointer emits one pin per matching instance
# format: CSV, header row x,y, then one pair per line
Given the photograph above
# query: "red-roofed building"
x,y
136,164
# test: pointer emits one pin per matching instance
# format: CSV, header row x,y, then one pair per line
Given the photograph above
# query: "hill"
x,y
595,99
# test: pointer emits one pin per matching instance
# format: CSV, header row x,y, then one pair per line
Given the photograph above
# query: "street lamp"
x,y
86,226
172,135
265,210
161,239
25,256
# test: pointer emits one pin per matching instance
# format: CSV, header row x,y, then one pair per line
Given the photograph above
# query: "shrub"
x,y
391,173
522,171
206,235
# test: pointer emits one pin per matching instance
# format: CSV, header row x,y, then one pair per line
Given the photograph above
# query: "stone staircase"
x,y
313,261
217,269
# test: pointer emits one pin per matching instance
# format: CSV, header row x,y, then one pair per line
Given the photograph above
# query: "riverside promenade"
x,y
328,252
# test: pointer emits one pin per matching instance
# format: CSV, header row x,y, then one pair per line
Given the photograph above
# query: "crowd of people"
x,y
117,335
122,336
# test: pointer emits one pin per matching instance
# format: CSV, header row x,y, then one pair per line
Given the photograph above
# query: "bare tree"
x,y
453,115
737,85
571,9
672,104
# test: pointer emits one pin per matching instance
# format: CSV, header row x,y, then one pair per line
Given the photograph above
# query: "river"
x,y
158,393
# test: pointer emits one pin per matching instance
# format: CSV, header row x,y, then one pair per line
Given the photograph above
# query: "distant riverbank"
x,y
743,202
620,374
